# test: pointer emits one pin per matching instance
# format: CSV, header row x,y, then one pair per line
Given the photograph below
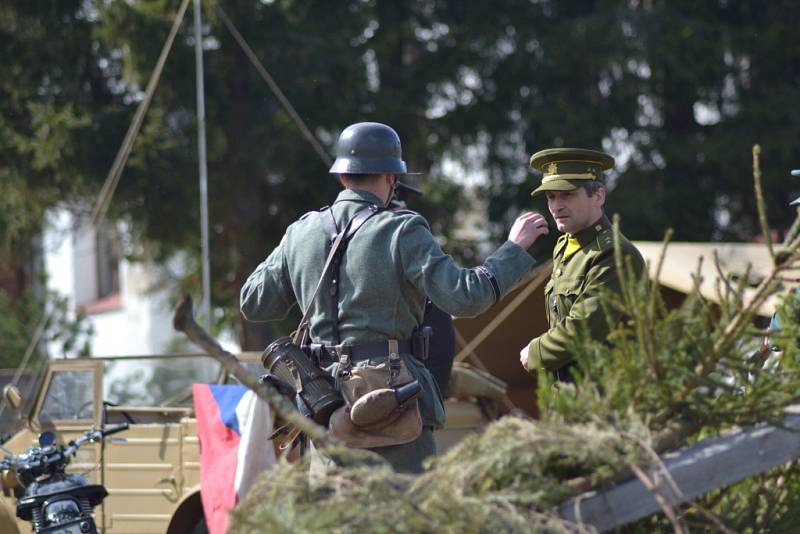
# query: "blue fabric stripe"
x,y
228,397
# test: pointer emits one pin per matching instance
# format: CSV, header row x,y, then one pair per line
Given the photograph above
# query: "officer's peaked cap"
x,y
565,169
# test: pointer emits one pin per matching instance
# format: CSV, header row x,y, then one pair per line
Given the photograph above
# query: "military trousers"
x,y
406,458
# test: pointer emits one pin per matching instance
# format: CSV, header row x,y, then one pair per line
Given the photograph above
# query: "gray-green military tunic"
x,y
571,295
391,264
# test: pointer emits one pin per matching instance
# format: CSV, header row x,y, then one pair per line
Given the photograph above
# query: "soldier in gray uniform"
x,y
391,264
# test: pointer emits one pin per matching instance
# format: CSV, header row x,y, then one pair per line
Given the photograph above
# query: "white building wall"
x,y
138,322
84,263
143,323
59,250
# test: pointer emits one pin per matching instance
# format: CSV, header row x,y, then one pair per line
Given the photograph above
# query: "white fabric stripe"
x,y
255,453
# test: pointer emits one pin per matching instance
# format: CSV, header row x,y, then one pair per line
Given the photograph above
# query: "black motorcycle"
x,y
56,502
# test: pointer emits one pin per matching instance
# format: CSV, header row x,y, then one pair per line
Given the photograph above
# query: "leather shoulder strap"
x,y
302,328
332,263
361,217
354,224
328,222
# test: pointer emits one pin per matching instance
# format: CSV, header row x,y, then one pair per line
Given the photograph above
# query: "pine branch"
x,y
762,206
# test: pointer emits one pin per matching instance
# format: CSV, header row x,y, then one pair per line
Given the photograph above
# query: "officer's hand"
x,y
527,228
523,357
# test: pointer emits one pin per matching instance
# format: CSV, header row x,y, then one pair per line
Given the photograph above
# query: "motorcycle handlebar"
x,y
114,429
94,435
36,463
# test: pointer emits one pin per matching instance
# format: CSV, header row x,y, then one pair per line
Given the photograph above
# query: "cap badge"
x,y
552,168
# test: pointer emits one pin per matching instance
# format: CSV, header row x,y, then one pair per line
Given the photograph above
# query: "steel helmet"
x,y
368,148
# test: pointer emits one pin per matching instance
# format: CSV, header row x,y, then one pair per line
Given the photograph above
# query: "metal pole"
x,y
205,308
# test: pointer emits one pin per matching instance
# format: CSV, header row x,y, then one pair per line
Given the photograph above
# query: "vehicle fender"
x,y
188,512
8,518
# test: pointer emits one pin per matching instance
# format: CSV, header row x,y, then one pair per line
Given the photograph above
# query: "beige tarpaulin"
x,y
685,260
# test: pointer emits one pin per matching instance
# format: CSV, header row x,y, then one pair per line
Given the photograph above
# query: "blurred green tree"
x,y
677,91
59,121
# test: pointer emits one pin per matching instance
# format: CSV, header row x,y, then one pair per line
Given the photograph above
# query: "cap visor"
x,y
405,188
557,185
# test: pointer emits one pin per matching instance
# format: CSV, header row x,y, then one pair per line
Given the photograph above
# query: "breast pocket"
x,y
565,292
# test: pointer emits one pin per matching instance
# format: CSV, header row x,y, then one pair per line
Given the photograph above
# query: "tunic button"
x,y
598,227
558,272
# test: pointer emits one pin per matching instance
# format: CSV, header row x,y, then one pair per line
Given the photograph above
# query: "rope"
x,y
110,185
323,155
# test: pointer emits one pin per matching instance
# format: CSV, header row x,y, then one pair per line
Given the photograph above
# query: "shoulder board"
x,y
307,215
605,239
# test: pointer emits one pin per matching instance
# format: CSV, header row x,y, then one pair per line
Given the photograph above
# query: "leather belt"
x,y
327,354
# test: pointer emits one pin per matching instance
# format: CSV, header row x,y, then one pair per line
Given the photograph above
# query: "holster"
x,y
421,342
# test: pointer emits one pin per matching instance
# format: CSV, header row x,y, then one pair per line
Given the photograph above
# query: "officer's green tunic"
x,y
571,295
391,264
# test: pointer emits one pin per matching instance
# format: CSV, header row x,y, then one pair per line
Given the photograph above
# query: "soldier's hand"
x,y
527,228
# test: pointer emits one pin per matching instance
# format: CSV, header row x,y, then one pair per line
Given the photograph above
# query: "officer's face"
x,y
575,210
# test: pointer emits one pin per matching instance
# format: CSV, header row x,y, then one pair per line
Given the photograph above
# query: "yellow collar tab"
x,y
573,246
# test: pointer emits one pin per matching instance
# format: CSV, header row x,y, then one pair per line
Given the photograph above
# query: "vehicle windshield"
x,y
70,395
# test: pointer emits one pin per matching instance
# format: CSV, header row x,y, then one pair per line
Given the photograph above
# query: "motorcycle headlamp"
x,y
60,510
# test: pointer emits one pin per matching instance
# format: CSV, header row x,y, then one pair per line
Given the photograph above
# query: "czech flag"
x,y
234,427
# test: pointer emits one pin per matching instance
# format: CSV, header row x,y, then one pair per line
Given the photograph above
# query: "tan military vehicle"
x,y
152,470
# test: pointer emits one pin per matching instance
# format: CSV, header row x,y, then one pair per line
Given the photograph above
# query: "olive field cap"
x,y
564,169
369,148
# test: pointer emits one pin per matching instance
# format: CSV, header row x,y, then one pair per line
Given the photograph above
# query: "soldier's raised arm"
x,y
462,291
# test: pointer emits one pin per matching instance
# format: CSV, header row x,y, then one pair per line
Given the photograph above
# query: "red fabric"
x,y
218,457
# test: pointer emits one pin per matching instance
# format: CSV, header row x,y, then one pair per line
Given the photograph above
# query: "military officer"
x,y
583,258
391,264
